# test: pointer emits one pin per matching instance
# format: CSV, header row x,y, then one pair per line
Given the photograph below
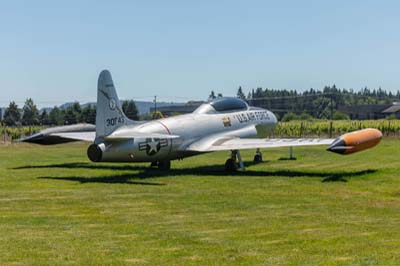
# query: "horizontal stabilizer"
x,y
62,134
77,136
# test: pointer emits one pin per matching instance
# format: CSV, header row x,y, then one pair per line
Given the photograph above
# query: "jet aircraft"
x,y
222,124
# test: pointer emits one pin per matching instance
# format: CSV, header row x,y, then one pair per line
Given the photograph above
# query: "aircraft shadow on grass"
x,y
144,172
114,179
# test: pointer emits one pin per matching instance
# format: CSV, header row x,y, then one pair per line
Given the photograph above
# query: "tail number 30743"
x,y
110,122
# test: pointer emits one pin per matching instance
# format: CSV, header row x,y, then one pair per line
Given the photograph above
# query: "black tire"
x,y
164,165
154,164
257,158
230,165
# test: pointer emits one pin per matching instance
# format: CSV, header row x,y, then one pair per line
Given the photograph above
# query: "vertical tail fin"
x,y
109,114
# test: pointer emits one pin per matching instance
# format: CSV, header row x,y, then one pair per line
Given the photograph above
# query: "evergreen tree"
x,y
130,110
12,115
240,94
70,116
45,118
30,113
56,116
212,96
73,114
259,93
77,110
88,114
249,97
92,115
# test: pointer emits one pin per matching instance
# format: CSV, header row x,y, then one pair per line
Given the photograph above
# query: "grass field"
x,y
57,208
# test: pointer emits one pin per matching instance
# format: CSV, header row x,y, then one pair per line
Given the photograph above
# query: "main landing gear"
x,y
235,161
258,157
162,165
231,165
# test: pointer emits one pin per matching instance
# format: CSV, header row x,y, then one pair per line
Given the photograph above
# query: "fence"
x,y
317,128
7,134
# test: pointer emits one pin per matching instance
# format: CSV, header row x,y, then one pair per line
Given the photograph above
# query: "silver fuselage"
x,y
194,127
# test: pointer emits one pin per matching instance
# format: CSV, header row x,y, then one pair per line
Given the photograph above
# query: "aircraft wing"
x,y
229,143
345,144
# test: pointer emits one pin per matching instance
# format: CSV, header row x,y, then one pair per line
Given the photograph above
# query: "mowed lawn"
x,y
57,208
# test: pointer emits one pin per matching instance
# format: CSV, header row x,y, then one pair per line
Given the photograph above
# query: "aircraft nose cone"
x,y
337,146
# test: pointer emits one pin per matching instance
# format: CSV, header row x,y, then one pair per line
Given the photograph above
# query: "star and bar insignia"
x,y
152,146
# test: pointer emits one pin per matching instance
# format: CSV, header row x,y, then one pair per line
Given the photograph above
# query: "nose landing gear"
x,y
162,165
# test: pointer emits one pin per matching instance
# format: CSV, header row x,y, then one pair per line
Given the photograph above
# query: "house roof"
x,y
392,109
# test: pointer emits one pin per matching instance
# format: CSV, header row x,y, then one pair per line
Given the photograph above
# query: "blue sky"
x,y
180,50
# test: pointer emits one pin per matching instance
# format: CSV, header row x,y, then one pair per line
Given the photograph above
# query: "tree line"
x,y
30,115
320,104
287,104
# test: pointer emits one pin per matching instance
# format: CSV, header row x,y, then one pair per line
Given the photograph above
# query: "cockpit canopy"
x,y
222,105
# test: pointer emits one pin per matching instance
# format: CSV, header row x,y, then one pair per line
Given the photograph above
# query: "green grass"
x,y
56,208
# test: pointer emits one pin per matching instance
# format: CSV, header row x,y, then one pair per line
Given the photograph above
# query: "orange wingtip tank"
x,y
356,141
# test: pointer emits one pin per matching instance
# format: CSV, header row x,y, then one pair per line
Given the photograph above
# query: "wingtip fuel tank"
x,y
356,141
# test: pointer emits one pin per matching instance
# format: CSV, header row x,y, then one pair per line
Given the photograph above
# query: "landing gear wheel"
x,y
164,165
230,165
258,158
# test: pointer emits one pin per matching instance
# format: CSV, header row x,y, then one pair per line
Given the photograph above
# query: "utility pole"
x,y
331,124
155,105
332,106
